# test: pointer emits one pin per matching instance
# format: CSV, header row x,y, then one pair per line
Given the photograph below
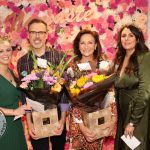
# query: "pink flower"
x,y
121,15
143,3
24,85
84,2
55,9
110,19
43,7
113,5
30,77
7,30
23,33
131,10
100,8
16,10
101,31
88,84
91,74
52,39
28,9
111,26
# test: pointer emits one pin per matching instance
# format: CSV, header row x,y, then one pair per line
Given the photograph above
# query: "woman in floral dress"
x,y
87,48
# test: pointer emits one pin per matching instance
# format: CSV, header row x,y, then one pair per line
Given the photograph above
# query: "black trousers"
x,y
58,142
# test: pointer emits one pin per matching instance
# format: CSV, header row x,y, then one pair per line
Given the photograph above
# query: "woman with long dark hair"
x,y
132,88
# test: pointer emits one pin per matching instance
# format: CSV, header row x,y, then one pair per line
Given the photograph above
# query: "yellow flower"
x,y
98,78
61,81
48,69
75,91
81,81
56,88
56,74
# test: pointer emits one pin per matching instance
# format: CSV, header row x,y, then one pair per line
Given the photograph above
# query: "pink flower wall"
x,y
65,18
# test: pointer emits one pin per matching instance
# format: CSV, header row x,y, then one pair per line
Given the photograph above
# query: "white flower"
x,y
70,72
4,12
104,65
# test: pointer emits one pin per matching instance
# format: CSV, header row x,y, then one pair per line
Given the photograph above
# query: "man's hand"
x,y
60,127
61,123
31,127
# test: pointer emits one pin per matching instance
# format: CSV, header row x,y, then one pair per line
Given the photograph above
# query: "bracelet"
x,y
131,124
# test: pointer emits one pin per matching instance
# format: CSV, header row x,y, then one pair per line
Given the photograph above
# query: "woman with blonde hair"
x,y
13,137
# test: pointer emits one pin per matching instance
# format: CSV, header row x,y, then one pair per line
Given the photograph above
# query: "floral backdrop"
x,y
65,18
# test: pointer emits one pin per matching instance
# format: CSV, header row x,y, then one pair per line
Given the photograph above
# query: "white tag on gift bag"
x,y
42,62
84,66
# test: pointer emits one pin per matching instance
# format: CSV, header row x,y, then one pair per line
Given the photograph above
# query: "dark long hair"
x,y
76,42
139,48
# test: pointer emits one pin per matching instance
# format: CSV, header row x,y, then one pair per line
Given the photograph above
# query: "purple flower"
x,y
39,75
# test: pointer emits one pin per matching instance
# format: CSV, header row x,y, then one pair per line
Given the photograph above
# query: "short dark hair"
x,y
36,20
95,35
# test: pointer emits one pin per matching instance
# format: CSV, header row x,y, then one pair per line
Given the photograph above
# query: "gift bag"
x,y
97,120
45,122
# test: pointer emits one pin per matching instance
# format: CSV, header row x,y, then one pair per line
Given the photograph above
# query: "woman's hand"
x,y
89,135
129,130
21,110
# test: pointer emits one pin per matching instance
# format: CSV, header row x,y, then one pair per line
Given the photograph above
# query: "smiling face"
x,y
5,52
87,45
38,35
128,40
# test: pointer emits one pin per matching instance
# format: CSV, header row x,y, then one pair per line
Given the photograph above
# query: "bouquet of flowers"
x,y
88,89
45,84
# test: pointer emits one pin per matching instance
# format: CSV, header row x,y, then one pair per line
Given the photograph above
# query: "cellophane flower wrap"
x,y
87,89
45,85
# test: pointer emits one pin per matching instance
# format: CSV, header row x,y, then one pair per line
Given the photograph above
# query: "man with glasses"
x,y
37,37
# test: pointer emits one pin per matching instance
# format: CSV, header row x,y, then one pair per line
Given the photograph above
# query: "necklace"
x,y
8,76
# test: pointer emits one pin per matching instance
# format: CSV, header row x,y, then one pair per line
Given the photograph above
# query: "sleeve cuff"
x,y
64,107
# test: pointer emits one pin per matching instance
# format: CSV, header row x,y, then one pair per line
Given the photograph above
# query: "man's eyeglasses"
x,y
41,33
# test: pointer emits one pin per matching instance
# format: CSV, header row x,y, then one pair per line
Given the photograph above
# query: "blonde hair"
x,y
4,39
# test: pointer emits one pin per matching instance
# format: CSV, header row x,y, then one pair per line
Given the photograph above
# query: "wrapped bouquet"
x,y
88,90
45,83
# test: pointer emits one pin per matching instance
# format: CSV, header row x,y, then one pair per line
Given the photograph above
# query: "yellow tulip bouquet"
x,y
87,89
